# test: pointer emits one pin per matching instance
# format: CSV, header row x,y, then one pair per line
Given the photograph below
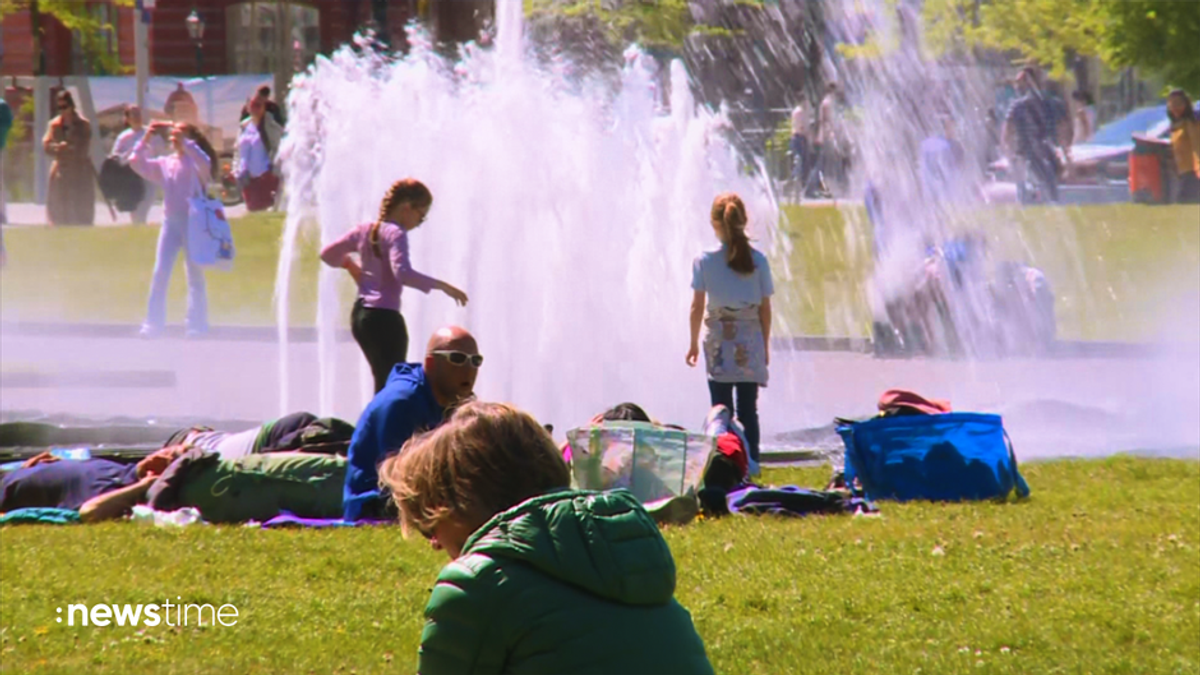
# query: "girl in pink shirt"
x,y
382,270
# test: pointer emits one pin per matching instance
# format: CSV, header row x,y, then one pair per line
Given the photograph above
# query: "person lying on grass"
x,y
542,579
48,481
251,487
301,431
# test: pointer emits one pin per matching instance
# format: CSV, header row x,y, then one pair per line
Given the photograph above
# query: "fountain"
x,y
568,215
571,215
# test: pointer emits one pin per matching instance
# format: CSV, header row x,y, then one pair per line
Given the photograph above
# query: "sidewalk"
x,y
22,214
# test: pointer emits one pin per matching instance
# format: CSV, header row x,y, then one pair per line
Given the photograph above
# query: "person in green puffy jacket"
x,y
542,579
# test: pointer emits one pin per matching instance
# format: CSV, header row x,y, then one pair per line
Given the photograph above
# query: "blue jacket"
x,y
402,408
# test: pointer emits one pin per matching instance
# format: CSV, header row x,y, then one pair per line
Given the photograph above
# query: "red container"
x,y
1146,171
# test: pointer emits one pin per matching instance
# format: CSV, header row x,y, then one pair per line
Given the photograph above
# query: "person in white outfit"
x,y
255,167
123,148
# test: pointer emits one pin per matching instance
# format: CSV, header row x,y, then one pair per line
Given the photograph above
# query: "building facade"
x,y
240,36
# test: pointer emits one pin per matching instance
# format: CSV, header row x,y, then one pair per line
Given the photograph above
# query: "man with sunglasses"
x,y
415,399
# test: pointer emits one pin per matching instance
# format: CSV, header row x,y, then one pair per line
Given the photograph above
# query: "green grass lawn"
x,y
1116,269
1099,572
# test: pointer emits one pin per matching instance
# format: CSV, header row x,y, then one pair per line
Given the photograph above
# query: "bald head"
x,y
448,364
452,337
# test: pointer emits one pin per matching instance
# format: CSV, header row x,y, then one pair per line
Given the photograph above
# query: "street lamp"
x,y
195,28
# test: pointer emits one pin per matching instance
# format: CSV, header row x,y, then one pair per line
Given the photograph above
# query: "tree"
x,y
756,54
93,34
663,24
1047,32
1163,37
1154,35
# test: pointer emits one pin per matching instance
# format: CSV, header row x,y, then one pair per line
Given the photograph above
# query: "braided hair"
x,y
404,190
729,213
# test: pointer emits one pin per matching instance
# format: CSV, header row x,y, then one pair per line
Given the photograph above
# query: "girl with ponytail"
x,y
732,298
381,271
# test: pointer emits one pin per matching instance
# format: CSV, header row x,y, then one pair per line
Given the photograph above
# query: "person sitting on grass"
x,y
415,398
541,578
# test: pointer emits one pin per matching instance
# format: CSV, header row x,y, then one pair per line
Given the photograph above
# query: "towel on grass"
x,y
38,515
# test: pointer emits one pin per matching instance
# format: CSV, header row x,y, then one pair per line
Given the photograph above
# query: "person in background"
x,y
182,174
798,146
1029,136
382,271
257,146
1084,119
416,398
583,581
941,164
71,196
736,280
834,145
122,150
1185,146
263,95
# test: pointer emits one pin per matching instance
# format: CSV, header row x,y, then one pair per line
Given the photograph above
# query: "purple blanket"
x,y
287,519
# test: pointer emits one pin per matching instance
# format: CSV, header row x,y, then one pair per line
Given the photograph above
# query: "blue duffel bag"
x,y
946,457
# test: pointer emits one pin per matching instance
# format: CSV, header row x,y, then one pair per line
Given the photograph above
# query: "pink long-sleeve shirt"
x,y
181,175
383,277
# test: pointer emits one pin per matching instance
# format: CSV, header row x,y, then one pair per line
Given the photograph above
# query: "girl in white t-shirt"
x,y
735,280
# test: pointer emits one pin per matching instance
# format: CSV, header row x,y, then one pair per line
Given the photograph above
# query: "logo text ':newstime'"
x,y
172,614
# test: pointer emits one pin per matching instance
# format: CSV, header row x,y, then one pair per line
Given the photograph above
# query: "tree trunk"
x,y
35,19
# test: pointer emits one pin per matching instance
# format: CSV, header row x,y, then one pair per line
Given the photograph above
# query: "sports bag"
x,y
945,457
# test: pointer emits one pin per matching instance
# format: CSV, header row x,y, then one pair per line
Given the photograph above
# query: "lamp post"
x,y
195,28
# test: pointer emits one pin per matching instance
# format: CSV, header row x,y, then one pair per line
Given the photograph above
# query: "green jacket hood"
x,y
602,542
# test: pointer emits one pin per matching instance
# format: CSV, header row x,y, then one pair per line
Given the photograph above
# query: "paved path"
x,y
1051,406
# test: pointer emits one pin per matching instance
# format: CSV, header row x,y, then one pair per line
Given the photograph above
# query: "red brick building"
x,y
240,36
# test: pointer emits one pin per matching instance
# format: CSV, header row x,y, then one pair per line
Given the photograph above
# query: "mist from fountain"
x,y
569,215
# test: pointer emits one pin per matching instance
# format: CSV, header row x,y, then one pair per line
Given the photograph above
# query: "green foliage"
x,y
654,24
1039,31
1158,36
20,127
1161,36
1096,573
92,33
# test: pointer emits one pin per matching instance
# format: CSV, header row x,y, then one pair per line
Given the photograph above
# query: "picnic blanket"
x,y
40,516
289,519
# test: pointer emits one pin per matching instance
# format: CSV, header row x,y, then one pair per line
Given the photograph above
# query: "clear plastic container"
x,y
179,518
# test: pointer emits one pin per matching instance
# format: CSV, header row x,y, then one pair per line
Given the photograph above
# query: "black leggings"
x,y
746,410
383,337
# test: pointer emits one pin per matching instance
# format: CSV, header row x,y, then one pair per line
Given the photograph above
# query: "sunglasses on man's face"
x,y
458,358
